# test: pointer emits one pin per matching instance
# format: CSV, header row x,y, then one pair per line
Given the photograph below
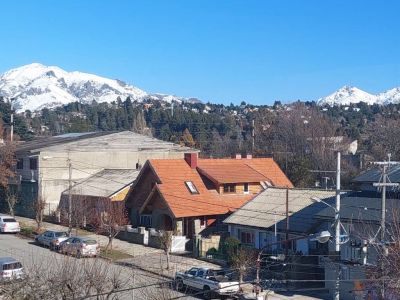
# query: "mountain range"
x,y
349,95
36,86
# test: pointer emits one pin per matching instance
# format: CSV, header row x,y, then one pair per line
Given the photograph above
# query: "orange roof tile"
x,y
174,172
227,173
266,167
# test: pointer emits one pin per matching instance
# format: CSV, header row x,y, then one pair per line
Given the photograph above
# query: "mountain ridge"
x,y
347,95
36,86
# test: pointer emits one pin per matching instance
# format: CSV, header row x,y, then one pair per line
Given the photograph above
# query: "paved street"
x,y
34,257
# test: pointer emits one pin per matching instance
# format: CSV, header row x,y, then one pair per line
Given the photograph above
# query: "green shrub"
x,y
231,246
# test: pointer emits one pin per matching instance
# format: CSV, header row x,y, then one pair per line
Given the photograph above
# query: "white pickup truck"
x,y
211,282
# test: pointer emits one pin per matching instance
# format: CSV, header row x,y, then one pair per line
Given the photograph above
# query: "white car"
x,y
51,239
80,246
8,224
211,282
10,268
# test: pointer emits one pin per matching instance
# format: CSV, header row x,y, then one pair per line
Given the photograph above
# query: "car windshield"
x,y
90,242
60,234
9,220
12,266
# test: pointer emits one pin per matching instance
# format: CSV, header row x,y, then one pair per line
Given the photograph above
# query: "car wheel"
x,y
207,294
179,286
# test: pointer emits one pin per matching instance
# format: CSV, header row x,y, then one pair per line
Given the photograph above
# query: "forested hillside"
x,y
300,136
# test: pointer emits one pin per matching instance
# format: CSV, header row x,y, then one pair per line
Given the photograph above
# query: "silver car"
x,y
10,268
51,239
8,224
80,246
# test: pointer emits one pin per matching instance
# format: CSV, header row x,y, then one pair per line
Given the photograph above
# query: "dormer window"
x,y
229,188
246,188
192,188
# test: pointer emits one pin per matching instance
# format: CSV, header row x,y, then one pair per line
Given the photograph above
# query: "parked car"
x,y
51,239
80,246
10,268
211,282
8,224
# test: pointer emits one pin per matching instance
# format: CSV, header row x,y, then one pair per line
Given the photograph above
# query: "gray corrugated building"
x,y
43,164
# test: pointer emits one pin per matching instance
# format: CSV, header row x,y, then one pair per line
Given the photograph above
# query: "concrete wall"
x,y
134,235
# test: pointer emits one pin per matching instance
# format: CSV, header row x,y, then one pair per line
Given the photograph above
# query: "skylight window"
x,y
192,188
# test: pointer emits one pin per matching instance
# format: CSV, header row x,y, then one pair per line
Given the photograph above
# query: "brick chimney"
x,y
191,159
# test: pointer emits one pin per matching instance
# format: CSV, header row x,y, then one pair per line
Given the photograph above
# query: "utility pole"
x,y
384,184
12,125
287,223
253,136
69,197
337,226
385,165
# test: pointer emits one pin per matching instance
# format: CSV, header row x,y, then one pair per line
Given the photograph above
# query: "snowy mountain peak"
x,y
36,86
349,94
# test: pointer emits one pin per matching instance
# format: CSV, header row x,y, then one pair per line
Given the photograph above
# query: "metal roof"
x,y
362,206
269,207
99,142
375,174
104,183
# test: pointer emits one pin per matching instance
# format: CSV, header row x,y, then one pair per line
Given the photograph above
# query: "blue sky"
x,y
218,51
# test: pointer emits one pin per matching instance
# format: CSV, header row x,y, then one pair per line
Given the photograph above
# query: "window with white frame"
x,y
145,220
246,188
192,188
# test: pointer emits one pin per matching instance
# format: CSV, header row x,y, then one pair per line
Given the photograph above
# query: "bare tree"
x,y
67,278
161,291
384,273
165,238
243,260
39,206
12,200
7,163
109,217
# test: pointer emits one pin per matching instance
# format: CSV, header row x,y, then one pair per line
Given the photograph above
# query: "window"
x,y
9,220
33,163
12,266
20,164
192,271
145,220
229,188
192,188
246,237
246,188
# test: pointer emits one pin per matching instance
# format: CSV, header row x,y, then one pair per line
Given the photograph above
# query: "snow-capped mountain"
x,y
348,95
36,86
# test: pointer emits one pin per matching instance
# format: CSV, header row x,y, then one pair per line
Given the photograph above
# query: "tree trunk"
x,y
167,253
110,240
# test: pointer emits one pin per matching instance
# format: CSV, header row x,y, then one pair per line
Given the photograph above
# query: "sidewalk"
x,y
146,258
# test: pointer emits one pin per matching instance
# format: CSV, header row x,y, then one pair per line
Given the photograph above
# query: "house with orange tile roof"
x,y
190,195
